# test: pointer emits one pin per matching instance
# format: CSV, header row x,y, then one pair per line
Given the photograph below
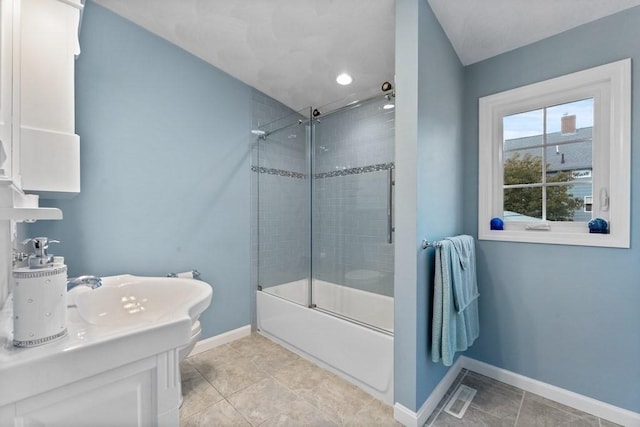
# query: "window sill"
x,y
555,238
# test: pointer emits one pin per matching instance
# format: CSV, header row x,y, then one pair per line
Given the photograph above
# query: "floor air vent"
x,y
460,401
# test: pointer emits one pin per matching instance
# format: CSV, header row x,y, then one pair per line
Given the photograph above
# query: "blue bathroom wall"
x,y
429,205
165,167
565,315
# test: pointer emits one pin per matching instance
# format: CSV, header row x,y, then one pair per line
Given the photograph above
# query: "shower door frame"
x,y
310,145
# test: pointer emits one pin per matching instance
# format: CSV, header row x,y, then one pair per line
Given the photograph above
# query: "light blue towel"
x,y
465,285
453,330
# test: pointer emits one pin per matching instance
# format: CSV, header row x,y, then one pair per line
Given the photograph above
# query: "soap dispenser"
x,y
39,297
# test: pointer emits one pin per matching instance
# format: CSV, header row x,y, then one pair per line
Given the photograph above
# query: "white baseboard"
x,y
221,339
417,419
405,416
578,401
587,404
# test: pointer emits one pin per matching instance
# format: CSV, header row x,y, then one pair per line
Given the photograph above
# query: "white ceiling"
x,y
481,29
292,50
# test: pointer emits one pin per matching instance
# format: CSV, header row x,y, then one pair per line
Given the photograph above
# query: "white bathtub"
x,y
359,354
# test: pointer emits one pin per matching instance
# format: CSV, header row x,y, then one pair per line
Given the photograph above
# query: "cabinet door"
x,y
125,402
49,147
47,29
6,29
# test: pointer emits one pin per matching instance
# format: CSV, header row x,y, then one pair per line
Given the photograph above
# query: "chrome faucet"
x,y
195,274
90,281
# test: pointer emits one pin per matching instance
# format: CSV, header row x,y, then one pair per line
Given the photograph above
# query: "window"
x,y
555,154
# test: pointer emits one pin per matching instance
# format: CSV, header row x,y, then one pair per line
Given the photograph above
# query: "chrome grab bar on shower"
x,y
390,184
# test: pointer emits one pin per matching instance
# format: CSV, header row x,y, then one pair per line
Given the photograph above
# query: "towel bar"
x,y
427,244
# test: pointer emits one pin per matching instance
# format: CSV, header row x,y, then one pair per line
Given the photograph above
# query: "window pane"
x,y
523,166
523,204
571,163
561,204
583,192
568,158
518,129
570,118
522,152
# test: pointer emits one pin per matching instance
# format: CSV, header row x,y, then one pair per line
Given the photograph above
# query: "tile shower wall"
x,y
354,151
356,137
280,200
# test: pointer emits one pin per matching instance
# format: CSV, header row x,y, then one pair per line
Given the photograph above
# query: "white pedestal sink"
x,y
117,366
129,300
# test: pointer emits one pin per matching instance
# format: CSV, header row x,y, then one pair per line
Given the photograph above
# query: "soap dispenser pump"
x,y
39,297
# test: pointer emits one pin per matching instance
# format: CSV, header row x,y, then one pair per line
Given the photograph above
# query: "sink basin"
x,y
131,300
123,341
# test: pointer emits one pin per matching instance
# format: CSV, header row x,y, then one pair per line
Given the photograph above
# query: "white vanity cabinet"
x,y
6,100
98,375
143,393
37,121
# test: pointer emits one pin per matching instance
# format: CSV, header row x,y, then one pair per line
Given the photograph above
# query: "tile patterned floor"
x,y
499,404
256,382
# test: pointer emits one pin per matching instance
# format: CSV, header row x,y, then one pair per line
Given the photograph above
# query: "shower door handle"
x,y
390,184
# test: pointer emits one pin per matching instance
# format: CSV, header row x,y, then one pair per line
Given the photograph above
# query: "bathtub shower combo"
x,y
323,238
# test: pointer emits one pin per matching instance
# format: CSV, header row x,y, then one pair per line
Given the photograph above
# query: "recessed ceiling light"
x,y
388,106
344,79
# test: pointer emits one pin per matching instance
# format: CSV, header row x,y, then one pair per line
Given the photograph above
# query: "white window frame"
x,y
610,86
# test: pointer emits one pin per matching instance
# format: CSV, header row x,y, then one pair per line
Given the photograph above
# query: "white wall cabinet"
x,y
6,99
37,113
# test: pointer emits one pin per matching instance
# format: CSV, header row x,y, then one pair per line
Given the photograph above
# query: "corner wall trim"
x,y
409,418
221,339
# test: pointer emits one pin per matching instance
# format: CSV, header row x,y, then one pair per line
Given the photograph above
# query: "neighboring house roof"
x,y
564,157
516,217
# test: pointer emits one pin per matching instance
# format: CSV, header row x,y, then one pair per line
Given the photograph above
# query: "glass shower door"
x,y
352,233
283,203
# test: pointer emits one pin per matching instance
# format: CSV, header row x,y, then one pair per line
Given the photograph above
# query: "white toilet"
x,y
183,353
196,332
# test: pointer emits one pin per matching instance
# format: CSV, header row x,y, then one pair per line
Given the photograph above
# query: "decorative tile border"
x,y
279,172
354,171
340,172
